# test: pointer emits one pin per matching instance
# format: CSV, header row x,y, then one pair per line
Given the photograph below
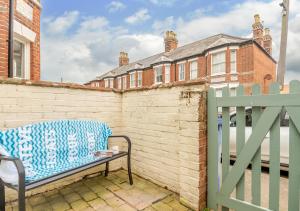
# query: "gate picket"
x,y
274,181
240,142
294,156
225,139
256,162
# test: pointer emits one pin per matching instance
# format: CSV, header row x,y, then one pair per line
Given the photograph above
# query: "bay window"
x,y
132,79
167,73
106,83
124,82
193,70
158,74
181,68
218,63
111,83
140,78
119,83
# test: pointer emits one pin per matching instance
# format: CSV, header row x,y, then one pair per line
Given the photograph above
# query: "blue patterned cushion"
x,y
49,148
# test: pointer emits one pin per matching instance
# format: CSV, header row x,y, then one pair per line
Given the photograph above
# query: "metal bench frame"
x,y
22,187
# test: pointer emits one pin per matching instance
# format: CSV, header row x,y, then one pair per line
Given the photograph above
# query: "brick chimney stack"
x,y
123,59
267,41
258,30
170,41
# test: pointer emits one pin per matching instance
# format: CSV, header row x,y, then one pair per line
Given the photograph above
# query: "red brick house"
x,y
220,59
26,59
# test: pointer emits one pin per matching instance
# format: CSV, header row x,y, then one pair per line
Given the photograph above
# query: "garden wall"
x,y
167,125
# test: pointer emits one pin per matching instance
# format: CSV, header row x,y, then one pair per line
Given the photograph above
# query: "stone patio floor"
x,y
105,194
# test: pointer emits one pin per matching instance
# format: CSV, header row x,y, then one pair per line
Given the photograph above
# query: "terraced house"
x,y
26,39
220,59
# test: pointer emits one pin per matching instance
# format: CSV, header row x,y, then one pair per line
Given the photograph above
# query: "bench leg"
x,y
106,169
129,169
2,195
21,194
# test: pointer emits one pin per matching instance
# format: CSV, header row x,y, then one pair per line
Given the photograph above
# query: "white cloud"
x,y
61,24
115,6
163,2
140,16
163,25
93,47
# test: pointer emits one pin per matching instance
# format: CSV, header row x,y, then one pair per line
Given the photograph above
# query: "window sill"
x,y
218,74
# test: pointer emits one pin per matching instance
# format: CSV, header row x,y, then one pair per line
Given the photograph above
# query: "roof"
x,y
183,52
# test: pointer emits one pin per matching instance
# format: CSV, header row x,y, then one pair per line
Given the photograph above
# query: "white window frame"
x,y
156,69
181,71
124,80
111,83
139,78
193,70
106,83
26,58
119,83
167,73
233,61
132,83
215,64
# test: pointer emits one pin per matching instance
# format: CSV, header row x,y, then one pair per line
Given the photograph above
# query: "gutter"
x,y
11,40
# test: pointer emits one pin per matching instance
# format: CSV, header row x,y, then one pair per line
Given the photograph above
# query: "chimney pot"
x,y
170,41
123,59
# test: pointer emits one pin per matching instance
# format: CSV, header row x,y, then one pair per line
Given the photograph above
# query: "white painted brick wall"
x,y
163,126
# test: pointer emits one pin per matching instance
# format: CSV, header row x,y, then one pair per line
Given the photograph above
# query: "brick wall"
x,y
169,138
167,126
33,25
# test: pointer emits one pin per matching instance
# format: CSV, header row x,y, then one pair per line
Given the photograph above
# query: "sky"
x,y
82,39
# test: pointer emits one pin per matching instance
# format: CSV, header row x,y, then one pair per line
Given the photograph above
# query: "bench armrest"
x,y
126,138
20,168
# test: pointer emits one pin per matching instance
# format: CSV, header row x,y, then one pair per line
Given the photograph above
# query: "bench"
x,y
37,154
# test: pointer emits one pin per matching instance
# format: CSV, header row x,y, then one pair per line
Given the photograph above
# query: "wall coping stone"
x,y
84,87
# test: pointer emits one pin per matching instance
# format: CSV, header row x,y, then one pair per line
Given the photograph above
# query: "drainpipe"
x,y
11,40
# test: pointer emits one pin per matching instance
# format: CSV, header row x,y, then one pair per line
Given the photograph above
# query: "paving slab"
x,y
112,193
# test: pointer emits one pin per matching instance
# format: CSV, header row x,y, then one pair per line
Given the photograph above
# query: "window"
x,y
181,68
124,82
167,73
233,61
140,79
119,83
21,60
158,74
132,80
193,70
218,63
106,83
111,83
232,92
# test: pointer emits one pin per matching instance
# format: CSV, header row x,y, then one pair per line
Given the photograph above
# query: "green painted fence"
x,y
266,112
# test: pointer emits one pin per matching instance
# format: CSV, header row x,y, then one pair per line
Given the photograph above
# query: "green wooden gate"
x,y
266,110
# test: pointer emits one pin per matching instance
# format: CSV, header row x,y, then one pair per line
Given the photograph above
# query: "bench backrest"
x,y
50,144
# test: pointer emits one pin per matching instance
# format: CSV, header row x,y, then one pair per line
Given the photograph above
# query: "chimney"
x,y
258,30
170,41
123,59
267,41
